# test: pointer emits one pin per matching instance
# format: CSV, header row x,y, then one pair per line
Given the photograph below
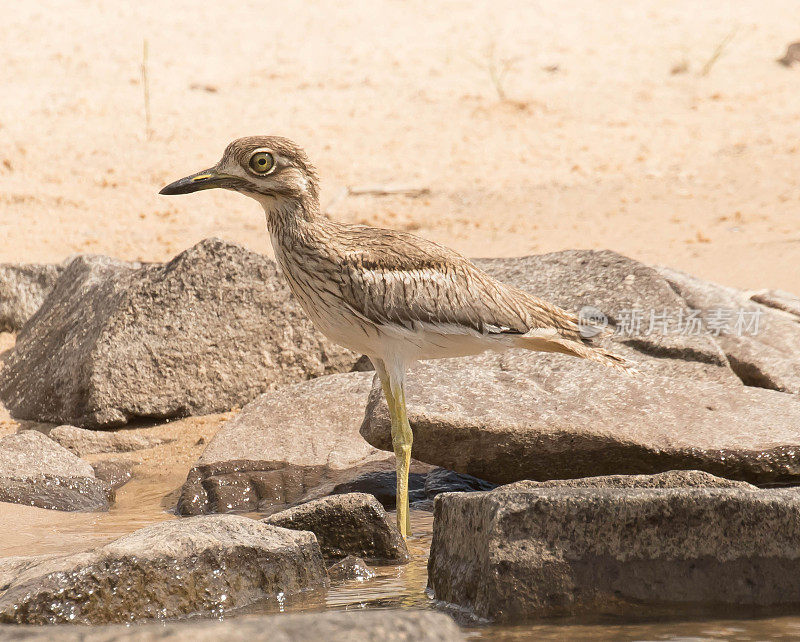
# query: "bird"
x,y
391,295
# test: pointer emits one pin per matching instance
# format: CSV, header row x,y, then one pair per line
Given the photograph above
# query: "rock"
x,y
625,292
406,625
503,418
382,485
350,568
442,480
289,445
519,553
206,332
761,342
353,524
209,564
36,471
23,289
779,300
87,442
115,473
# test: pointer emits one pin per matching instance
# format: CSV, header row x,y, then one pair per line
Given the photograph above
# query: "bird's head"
x,y
265,168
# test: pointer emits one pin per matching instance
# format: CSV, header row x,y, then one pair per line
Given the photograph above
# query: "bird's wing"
x,y
396,278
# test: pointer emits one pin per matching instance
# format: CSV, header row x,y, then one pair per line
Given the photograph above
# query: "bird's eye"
x,y
262,162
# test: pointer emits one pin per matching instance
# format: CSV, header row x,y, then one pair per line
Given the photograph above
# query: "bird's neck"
x,y
290,216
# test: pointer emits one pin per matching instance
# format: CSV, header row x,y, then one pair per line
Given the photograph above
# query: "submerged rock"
x,y
527,551
36,471
87,442
406,625
23,289
288,445
208,331
208,564
350,568
353,524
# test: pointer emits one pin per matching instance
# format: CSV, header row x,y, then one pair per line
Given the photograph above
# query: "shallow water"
x,y
32,531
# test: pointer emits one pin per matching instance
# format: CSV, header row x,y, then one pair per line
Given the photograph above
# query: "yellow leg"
x,y
401,441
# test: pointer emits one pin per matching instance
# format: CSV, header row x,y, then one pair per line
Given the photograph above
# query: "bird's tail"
x,y
575,349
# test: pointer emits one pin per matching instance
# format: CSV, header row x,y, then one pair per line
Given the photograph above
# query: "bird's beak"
x,y
207,179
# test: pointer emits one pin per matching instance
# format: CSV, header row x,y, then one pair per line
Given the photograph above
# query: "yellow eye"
x,y
262,162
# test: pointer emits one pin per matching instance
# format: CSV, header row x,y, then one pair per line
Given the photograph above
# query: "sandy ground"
x,y
597,145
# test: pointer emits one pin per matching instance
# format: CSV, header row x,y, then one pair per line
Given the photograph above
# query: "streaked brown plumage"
x,y
391,295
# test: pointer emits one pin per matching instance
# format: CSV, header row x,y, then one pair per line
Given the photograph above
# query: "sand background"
x,y
597,145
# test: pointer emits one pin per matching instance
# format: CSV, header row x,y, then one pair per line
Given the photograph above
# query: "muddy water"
x,y
31,531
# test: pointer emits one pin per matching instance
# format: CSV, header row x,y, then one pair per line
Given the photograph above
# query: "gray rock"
x,y
208,564
292,444
768,355
515,554
36,471
87,442
382,485
115,473
353,524
669,479
23,289
503,418
350,568
406,625
442,480
778,299
616,286
208,331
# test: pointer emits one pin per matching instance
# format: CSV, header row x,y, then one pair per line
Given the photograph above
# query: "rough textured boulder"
x,y
115,473
36,471
23,289
765,350
518,415
208,564
616,286
519,553
404,625
353,524
290,444
87,442
779,300
206,332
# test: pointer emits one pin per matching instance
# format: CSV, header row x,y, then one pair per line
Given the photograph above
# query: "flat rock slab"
x,y
23,289
206,332
36,471
208,564
352,626
353,524
516,554
285,446
504,418
88,442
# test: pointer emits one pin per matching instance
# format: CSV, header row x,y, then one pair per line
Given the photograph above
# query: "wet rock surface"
x,y
351,626
23,289
87,442
288,445
115,473
504,418
208,331
382,485
442,480
350,568
208,564
522,552
347,525
36,471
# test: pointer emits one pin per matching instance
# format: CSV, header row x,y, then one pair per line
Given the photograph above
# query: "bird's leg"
x,y
402,439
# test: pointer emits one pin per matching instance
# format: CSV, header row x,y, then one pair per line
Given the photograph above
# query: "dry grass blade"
x,y
148,131
718,52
